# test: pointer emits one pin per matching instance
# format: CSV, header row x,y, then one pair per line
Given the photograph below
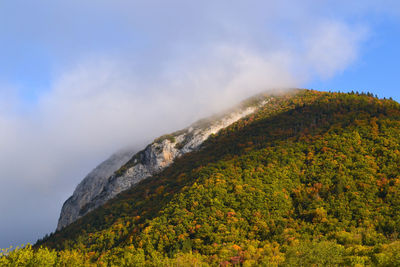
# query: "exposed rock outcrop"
x,y
118,174
91,186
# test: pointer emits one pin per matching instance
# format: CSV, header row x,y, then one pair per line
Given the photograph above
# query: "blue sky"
x,y
378,68
82,79
34,52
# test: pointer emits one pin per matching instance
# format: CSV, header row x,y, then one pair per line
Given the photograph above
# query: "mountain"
x,y
308,178
117,174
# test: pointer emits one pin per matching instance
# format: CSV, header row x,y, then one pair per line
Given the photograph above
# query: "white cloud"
x,y
332,46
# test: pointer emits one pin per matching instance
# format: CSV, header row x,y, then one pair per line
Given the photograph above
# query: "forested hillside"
x,y
311,178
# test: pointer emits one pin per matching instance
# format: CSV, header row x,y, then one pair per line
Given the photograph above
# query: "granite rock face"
x,y
122,171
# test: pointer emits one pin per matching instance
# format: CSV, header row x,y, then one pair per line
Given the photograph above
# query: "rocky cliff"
x,y
123,170
91,186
